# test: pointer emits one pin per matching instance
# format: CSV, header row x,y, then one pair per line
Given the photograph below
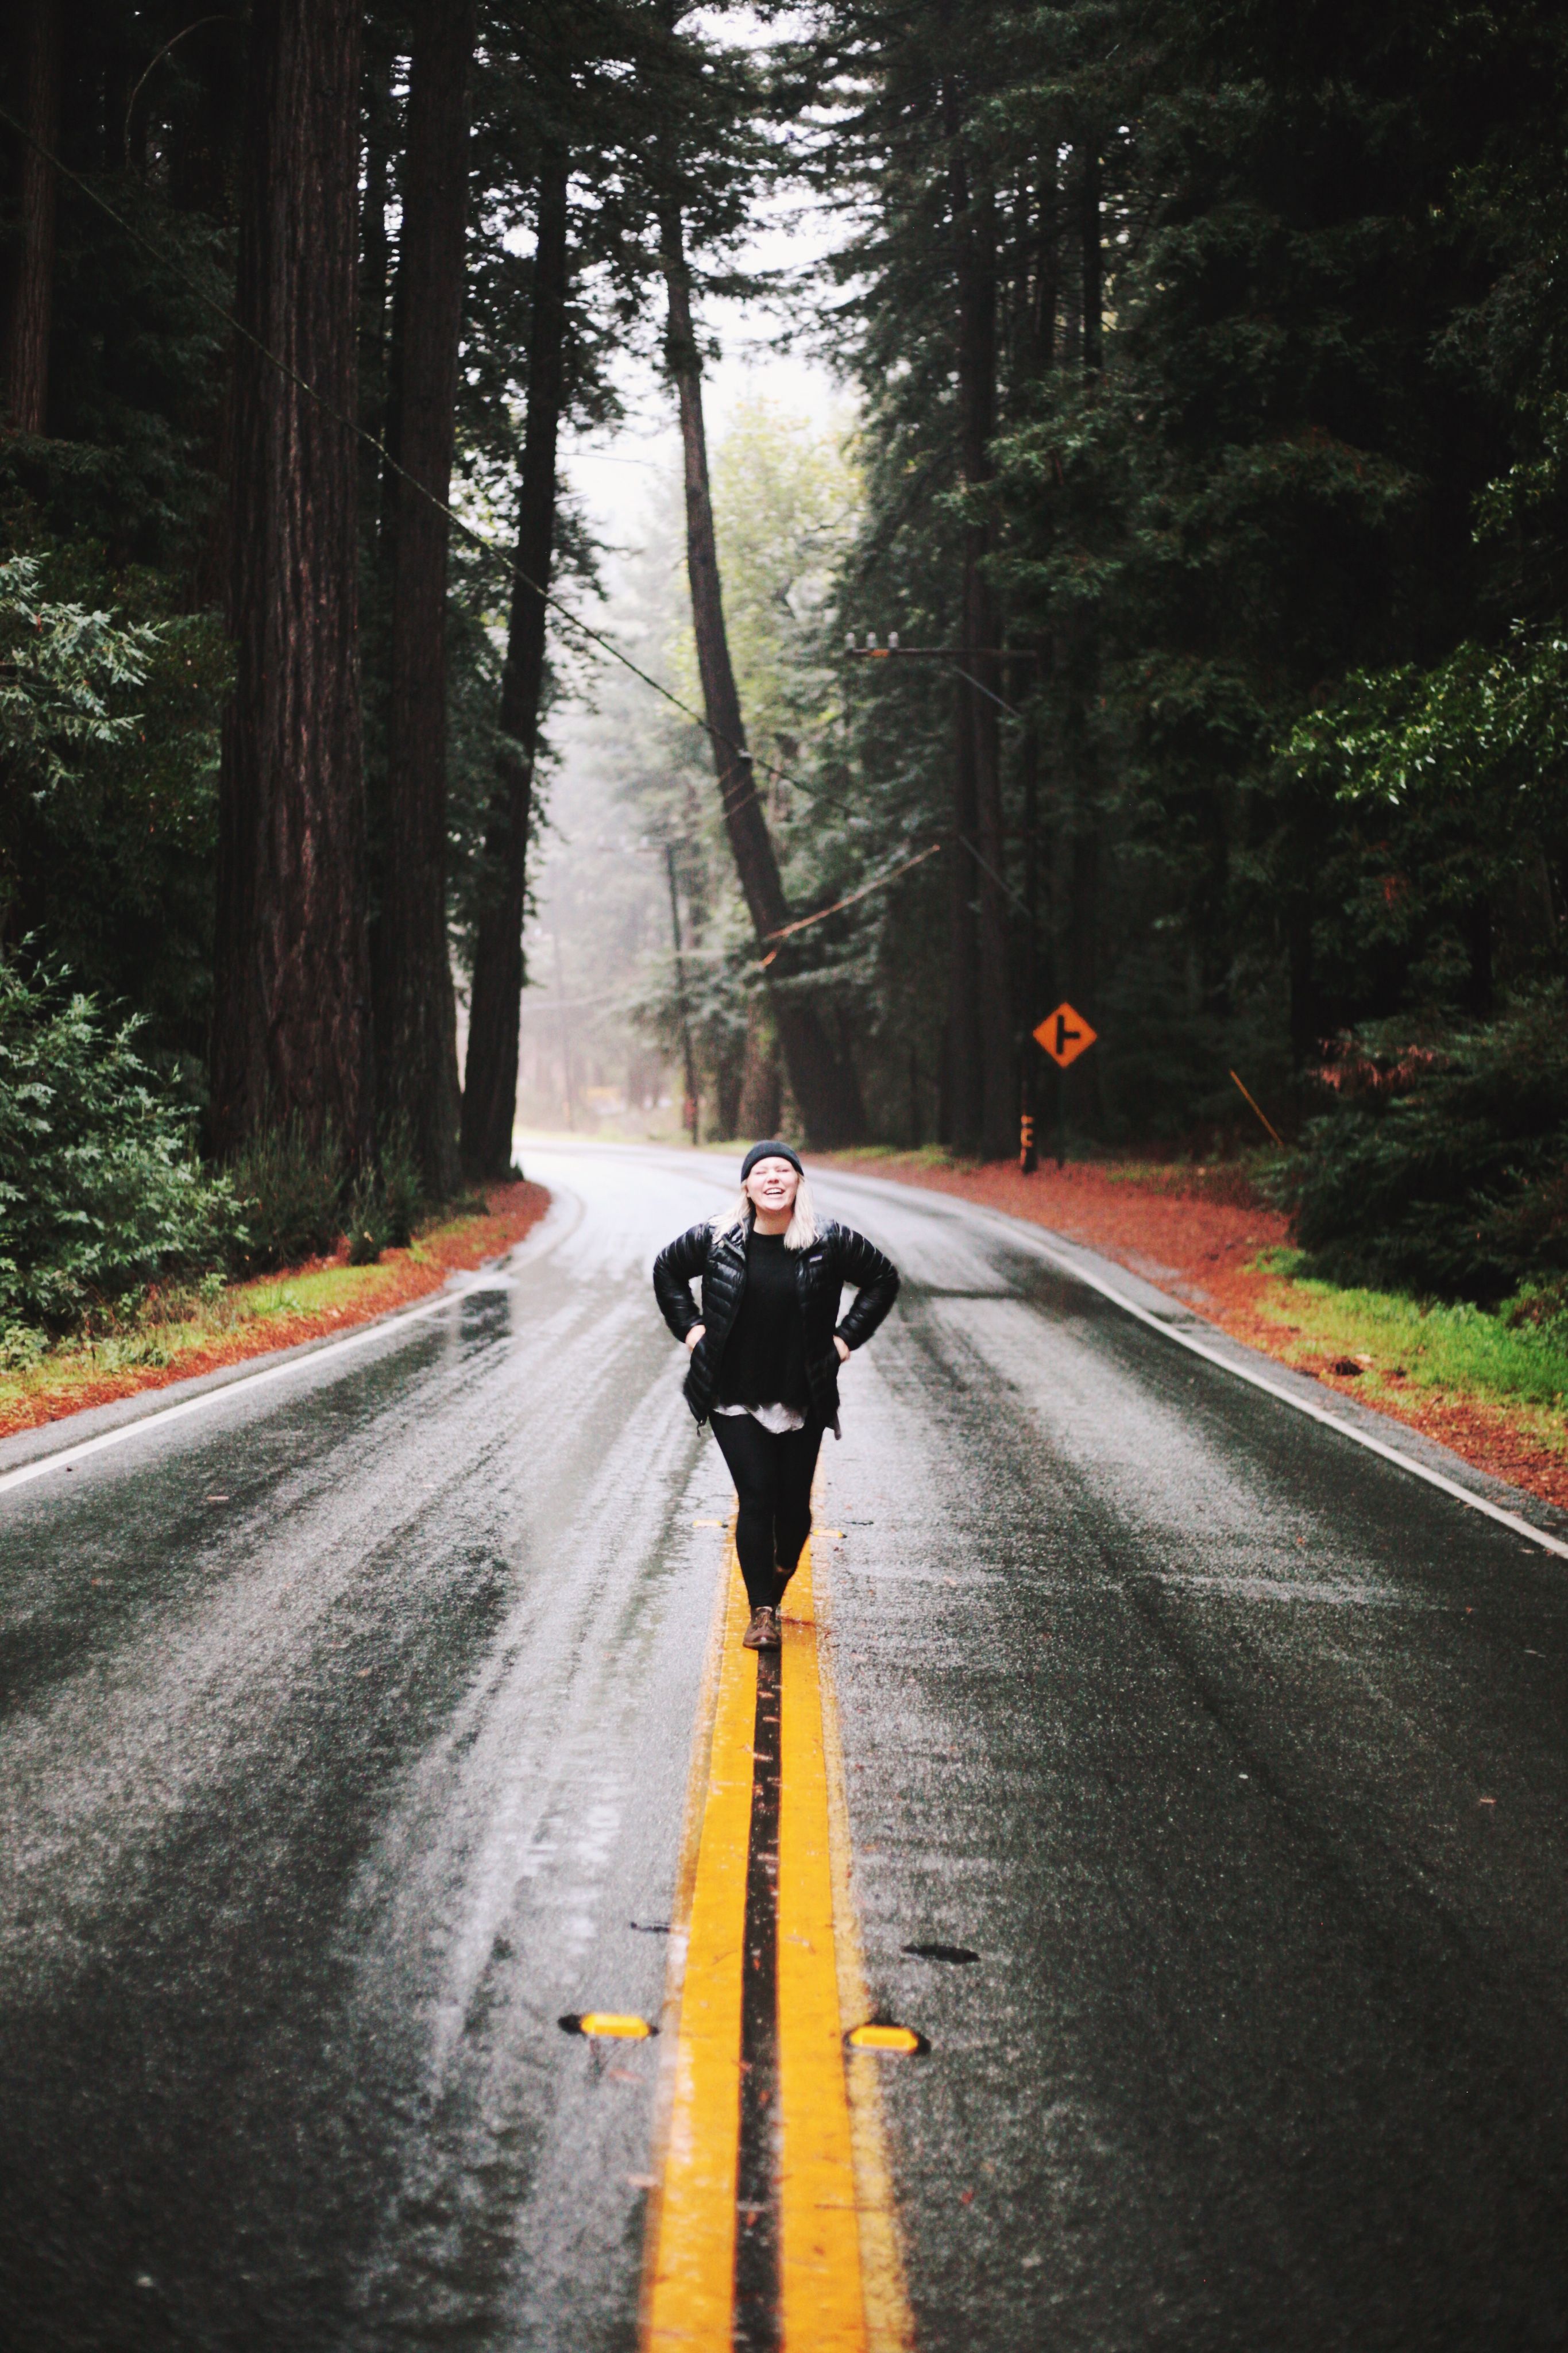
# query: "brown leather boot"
x,y
762,1634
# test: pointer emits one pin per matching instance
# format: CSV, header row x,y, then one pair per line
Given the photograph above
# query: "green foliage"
x,y
1453,786
108,836
300,1200
60,666
403,1201
1296,492
291,1192
363,1224
1517,1353
385,1202
1277,533
1442,1166
101,1191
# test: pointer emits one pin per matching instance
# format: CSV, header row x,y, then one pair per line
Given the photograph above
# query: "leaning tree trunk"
x,y
985,1111
292,981
824,1082
489,1081
33,281
417,1054
759,1088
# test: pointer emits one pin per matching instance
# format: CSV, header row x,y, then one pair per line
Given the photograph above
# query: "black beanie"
x,y
771,1151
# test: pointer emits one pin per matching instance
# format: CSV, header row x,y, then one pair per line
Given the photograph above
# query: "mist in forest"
x,y
644,991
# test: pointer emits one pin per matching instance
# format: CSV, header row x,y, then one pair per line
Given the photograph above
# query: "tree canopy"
x,y
1184,572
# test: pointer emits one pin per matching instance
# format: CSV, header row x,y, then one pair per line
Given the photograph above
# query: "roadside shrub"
x,y
1442,1167
101,1190
366,1224
21,1346
1540,1307
386,1201
401,1195
292,1192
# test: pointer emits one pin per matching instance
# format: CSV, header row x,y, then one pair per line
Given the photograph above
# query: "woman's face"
x,y
772,1185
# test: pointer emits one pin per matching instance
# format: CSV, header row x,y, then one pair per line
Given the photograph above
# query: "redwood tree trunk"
x,y
824,1081
489,1081
32,282
417,1054
376,259
984,1098
292,983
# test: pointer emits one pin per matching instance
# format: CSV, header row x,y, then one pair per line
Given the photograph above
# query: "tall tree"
x,y
32,286
489,1089
982,1092
291,1015
416,1023
822,1077
380,128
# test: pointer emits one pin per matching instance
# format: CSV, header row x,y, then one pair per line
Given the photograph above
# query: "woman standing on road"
x,y
765,1353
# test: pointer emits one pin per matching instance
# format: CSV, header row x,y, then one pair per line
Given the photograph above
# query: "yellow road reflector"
x,y
615,2025
900,2039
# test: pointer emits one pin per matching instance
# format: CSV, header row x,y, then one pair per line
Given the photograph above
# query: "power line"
x,y
805,922
553,603
952,654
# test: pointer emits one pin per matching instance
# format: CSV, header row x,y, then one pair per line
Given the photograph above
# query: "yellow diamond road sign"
x,y
1065,1035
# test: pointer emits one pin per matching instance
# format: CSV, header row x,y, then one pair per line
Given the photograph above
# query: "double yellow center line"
x,y
771,2224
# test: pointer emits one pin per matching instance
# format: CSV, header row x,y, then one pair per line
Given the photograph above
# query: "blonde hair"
x,y
799,1234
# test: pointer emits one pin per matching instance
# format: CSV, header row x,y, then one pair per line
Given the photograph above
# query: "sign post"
x,y
1065,1035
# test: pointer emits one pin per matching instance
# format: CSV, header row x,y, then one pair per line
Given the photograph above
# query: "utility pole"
x,y
690,1120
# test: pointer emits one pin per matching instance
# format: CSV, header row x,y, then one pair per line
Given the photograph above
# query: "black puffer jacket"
x,y
837,1256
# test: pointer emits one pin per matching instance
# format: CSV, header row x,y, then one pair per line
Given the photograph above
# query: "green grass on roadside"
x,y
1407,1346
1403,1345
172,1322
920,1155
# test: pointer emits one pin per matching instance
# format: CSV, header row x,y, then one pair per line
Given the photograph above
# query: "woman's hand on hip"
x,y
843,1347
695,1334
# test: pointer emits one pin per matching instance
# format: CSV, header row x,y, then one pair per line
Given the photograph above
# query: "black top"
x,y
837,1256
765,1352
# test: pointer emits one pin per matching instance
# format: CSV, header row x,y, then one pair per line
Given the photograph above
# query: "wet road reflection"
x,y
344,1735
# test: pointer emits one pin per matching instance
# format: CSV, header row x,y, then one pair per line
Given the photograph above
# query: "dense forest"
x,y
1176,626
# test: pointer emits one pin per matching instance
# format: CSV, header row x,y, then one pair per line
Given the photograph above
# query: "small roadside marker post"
x,y
1065,1035
1262,1115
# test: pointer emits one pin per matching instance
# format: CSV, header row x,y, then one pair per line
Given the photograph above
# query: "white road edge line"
x,y
1015,1228
146,1423
1330,1420
396,1320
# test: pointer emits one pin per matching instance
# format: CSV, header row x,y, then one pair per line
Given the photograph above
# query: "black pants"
x,y
772,1480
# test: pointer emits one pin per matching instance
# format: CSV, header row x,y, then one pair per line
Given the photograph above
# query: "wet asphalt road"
x,y
344,1732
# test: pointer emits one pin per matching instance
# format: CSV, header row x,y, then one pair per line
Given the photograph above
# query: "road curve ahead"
x,y
349,1739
